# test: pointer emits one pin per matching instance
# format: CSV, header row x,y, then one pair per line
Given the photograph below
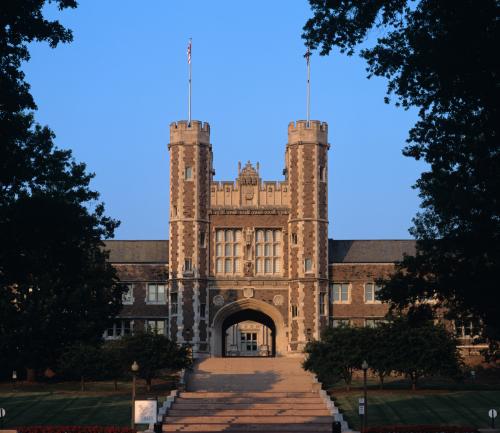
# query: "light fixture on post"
x,y
134,368
14,377
364,367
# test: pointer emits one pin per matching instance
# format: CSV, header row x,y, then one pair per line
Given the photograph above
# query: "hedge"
x,y
420,429
74,429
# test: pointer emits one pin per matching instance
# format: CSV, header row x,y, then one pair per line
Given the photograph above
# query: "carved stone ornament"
x,y
248,292
248,271
218,300
278,300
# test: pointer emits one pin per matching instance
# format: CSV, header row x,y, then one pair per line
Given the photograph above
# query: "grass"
x,y
467,408
63,404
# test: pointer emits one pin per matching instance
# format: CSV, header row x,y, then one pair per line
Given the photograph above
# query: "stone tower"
x,y
306,169
190,178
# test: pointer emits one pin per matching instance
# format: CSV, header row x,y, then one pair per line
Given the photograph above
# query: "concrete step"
x,y
250,400
191,405
247,420
203,395
175,412
239,428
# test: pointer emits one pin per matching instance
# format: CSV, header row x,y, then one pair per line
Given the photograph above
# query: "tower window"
x,y
188,173
268,251
323,311
308,265
202,239
188,265
174,302
295,240
294,310
322,173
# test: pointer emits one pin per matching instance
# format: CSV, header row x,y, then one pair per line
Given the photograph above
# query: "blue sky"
x,y
112,93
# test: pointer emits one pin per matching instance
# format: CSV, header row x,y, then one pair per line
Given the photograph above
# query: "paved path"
x,y
249,395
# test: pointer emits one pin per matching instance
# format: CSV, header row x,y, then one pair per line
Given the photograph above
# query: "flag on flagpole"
x,y
189,52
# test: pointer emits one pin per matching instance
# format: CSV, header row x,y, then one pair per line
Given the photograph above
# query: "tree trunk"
x,y
381,377
116,384
30,375
82,383
148,384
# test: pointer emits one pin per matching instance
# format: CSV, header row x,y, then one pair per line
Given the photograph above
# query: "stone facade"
x,y
251,250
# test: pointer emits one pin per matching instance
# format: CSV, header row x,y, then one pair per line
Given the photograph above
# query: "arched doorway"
x,y
249,341
248,309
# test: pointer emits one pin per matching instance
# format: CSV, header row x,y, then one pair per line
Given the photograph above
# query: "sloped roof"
x,y
369,251
339,251
137,251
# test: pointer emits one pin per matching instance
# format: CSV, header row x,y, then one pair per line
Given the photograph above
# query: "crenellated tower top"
x,y
197,132
314,132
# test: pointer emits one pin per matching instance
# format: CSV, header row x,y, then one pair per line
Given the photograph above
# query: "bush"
x,y
420,429
75,429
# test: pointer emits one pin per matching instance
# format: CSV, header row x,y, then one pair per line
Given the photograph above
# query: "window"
x,y
322,173
341,293
373,323
188,173
337,323
155,326
202,240
323,306
173,303
268,251
188,265
295,311
128,294
228,251
294,239
308,265
118,329
174,211
156,293
203,308
371,290
249,341
467,328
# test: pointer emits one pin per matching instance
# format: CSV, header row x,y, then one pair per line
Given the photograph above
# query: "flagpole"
x,y
308,55
189,101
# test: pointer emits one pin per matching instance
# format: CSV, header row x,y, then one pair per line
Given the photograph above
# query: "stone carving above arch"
x,y
248,292
218,300
278,300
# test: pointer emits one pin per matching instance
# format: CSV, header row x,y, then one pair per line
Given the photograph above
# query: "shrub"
x,y
75,429
420,429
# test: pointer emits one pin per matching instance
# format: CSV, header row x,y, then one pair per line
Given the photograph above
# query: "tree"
x,y
154,352
56,286
382,351
424,349
340,351
81,362
438,56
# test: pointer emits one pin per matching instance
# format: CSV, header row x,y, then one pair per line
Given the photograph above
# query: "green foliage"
x,y
81,362
438,56
154,352
340,352
414,349
55,284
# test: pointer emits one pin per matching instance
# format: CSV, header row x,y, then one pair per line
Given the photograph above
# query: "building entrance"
x,y
248,333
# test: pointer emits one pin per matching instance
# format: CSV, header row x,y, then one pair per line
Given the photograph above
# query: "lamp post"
x,y
14,378
364,367
134,368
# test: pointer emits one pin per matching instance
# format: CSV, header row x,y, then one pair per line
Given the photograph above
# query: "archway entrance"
x,y
242,312
248,333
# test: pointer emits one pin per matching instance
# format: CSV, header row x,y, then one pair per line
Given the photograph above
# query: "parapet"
x,y
196,132
314,132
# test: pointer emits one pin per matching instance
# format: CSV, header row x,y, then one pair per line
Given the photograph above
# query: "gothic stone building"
x,y
249,268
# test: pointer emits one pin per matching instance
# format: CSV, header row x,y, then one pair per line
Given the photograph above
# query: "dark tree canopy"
x,y
55,284
439,56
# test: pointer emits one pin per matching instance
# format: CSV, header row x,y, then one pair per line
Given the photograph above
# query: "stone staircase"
x,y
250,395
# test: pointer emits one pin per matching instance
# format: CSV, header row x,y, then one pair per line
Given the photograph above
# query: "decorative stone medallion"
x,y
218,300
248,292
278,300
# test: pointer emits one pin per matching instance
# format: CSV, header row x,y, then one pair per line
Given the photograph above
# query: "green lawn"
x,y
468,408
65,408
